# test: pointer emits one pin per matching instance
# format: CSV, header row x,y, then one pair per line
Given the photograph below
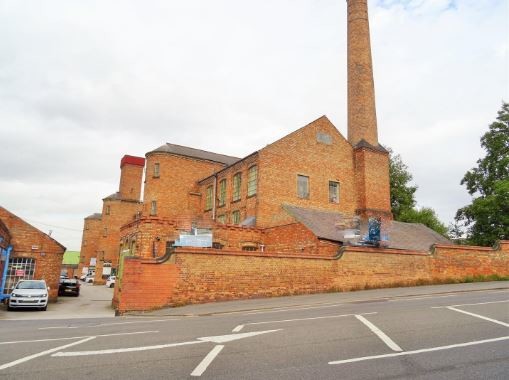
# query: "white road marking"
x,y
238,328
47,352
469,304
202,367
76,337
304,319
388,341
360,359
213,339
295,308
479,316
420,298
106,324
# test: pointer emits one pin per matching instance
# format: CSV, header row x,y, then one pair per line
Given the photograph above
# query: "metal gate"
x,y
20,268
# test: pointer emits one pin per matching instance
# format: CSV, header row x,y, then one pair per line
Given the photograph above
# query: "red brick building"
x,y
34,255
101,231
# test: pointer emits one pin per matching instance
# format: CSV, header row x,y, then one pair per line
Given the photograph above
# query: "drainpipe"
x,y
214,191
4,274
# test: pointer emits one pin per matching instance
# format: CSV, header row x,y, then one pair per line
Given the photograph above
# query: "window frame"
x,y
222,193
153,207
236,187
307,195
156,170
338,187
252,180
234,214
208,198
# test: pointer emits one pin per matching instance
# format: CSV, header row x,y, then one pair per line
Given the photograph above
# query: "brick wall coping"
x,y
496,247
389,251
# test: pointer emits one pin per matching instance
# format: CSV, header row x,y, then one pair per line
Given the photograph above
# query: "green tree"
x,y
402,194
426,216
487,218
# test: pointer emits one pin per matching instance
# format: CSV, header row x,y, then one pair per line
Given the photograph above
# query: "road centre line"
x,y
202,367
77,337
107,324
240,327
469,304
360,359
388,341
479,316
47,352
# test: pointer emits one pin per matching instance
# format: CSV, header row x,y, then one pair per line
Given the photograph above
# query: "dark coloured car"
x,y
69,286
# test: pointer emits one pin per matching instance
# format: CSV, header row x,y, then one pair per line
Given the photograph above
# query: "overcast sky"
x,y
84,82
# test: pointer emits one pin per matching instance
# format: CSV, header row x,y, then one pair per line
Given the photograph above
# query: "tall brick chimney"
x,y
131,175
361,89
371,159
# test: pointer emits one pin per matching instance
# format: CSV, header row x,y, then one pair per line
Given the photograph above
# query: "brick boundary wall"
x,y
206,275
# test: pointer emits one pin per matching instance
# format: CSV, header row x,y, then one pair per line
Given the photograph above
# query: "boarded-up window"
x,y
156,169
237,181
222,192
252,177
153,208
303,186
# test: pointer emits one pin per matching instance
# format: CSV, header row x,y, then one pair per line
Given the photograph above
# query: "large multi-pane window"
x,y
237,182
208,198
236,217
222,192
333,192
19,268
303,186
252,176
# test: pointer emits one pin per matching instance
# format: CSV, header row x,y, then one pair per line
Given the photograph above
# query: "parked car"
x,y
110,282
69,286
84,276
90,279
29,294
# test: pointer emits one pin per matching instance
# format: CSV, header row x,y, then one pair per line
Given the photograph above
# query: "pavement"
x,y
437,332
93,302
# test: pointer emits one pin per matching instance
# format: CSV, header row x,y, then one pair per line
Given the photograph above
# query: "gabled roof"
x,y
195,153
327,225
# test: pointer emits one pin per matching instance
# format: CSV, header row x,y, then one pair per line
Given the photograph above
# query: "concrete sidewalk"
x,y
93,302
319,299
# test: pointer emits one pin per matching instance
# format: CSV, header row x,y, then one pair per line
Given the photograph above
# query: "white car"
x,y
29,294
110,283
90,279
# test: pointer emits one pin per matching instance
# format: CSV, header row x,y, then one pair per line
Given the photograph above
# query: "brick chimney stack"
x,y
361,89
131,175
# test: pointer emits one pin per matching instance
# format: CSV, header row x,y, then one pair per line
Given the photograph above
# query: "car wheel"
x,y
9,308
44,308
112,285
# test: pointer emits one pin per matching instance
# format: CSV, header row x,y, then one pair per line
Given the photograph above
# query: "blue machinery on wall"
x,y
5,254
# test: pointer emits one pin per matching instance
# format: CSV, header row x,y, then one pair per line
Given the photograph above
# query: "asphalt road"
x,y
443,332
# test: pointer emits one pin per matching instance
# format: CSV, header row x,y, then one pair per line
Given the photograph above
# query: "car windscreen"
x,y
31,285
69,282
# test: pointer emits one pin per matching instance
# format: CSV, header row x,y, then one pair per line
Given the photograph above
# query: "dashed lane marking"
x,y
469,304
108,324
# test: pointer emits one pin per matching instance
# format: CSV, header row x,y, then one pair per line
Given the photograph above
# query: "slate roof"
x,y
94,216
114,196
195,153
330,226
364,144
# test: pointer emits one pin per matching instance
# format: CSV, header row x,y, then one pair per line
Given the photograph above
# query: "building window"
x,y
249,247
156,170
236,217
333,192
221,219
105,232
222,192
108,209
208,198
237,181
153,208
252,177
303,186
